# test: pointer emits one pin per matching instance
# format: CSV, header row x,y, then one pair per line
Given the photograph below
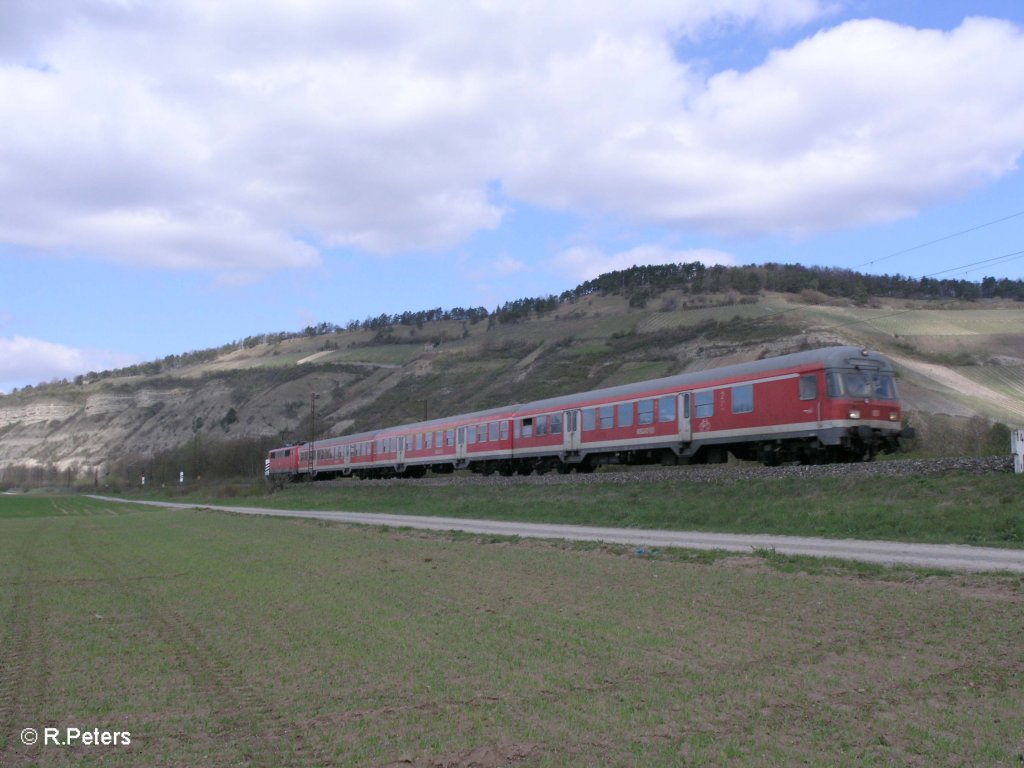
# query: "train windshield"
x,y
869,385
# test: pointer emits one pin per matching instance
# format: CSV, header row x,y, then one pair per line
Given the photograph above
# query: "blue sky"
x,y
178,175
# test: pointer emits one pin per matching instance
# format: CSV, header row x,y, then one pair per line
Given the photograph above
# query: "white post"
x,y
1017,446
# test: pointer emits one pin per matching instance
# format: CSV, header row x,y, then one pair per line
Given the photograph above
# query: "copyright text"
x,y
73,737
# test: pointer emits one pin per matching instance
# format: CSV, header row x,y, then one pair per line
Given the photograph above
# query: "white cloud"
x,y
33,361
508,265
866,122
585,263
199,135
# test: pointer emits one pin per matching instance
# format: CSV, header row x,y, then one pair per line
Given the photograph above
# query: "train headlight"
x,y
893,416
855,413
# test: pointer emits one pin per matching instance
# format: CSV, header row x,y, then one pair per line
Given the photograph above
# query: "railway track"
x,y
716,473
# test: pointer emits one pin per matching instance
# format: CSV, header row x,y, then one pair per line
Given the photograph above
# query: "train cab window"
x,y
607,413
589,419
625,414
704,404
884,386
503,430
857,385
809,387
834,384
667,408
542,426
645,412
556,423
528,427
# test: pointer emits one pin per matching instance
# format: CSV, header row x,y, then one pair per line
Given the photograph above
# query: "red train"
x,y
824,405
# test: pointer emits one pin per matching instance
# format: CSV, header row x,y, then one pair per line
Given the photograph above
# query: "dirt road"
x,y
946,556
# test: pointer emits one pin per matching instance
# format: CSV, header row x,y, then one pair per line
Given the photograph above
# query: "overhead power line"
x,y
994,260
941,239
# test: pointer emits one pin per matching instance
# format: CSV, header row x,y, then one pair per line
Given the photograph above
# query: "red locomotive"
x,y
824,405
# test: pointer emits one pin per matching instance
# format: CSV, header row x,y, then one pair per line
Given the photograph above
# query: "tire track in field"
x,y
240,715
24,668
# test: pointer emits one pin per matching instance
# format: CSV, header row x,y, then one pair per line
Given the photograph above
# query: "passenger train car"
x,y
823,405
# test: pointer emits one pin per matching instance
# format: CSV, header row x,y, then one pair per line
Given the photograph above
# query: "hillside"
x,y
961,365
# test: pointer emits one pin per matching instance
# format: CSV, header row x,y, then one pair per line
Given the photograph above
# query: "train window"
x,y
503,429
885,387
528,427
471,436
419,441
667,408
809,387
450,437
834,383
481,436
743,398
704,404
857,385
556,423
542,426
589,419
625,414
645,412
607,414
518,430
439,439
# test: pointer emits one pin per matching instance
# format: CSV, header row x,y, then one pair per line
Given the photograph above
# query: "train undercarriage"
x,y
821,447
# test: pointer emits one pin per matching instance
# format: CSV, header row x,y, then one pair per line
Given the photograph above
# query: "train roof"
x,y
828,357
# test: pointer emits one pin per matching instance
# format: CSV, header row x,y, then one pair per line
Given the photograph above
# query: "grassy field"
x,y
947,509
221,640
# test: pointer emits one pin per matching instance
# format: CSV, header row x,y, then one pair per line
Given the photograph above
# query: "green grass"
x,y
223,640
53,506
950,509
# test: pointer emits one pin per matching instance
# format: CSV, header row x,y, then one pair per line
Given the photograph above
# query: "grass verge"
x,y
954,509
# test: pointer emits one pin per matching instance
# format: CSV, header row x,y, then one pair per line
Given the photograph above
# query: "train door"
x,y
571,433
460,443
685,432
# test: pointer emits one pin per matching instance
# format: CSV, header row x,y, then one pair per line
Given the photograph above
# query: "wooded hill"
x,y
958,347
